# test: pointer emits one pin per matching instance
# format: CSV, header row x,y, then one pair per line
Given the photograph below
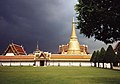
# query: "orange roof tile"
x,y
59,56
17,58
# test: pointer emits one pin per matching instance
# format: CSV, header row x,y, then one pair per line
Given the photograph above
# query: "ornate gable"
x,y
15,49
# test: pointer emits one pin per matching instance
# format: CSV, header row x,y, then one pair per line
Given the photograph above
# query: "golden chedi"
x,y
73,46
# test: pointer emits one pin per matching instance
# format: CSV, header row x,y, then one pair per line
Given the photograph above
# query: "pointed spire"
x,y
73,20
37,48
73,34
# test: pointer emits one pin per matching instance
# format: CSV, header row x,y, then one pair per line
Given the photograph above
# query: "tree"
x,y
115,63
97,57
92,58
99,19
109,56
118,55
101,56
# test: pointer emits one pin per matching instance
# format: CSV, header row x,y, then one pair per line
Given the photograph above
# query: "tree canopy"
x,y
93,56
109,55
99,19
118,54
102,55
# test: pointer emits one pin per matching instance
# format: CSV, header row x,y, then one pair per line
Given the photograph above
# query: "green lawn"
x,y
58,75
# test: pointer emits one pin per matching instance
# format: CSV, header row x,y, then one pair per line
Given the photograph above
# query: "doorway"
x,y
42,63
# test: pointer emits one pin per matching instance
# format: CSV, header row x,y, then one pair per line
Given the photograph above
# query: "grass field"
x,y
58,75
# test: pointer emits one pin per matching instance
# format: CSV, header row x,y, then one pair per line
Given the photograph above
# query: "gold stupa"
x,y
73,46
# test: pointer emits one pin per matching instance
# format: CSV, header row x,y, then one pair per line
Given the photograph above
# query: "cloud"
x,y
49,22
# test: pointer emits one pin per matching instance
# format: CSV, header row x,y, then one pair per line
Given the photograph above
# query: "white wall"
x,y
106,65
16,63
51,63
69,63
37,63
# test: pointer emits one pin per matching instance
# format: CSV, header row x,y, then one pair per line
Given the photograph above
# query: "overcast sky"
x,y
49,22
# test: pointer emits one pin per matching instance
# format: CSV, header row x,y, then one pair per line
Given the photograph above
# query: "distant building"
x,y
40,57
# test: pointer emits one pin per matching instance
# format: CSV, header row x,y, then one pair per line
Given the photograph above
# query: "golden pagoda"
x,y
73,46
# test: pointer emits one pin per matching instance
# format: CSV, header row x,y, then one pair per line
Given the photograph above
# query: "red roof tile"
x,y
16,49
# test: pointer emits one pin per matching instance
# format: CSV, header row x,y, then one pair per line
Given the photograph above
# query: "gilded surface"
x,y
74,46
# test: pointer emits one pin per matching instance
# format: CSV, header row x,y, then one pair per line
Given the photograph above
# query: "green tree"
x,y
97,57
91,60
109,56
115,63
99,19
101,56
93,56
118,55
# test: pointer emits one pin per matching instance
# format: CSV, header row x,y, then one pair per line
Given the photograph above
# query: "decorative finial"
x,y
37,48
73,20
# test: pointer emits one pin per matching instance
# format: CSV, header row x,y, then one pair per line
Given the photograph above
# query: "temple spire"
x,y
73,34
74,46
37,48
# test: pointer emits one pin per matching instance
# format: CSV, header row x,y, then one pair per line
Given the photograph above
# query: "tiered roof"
x,y
16,49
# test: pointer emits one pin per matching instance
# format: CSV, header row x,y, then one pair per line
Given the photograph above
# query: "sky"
x,y
49,22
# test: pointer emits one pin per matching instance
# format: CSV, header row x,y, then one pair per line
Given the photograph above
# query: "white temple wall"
x,y
51,63
16,63
27,63
106,65
37,63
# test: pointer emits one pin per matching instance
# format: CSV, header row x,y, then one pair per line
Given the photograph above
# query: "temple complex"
x,y
71,54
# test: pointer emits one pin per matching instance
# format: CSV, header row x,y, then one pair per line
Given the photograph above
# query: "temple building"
x,y
40,57
72,54
14,49
73,47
